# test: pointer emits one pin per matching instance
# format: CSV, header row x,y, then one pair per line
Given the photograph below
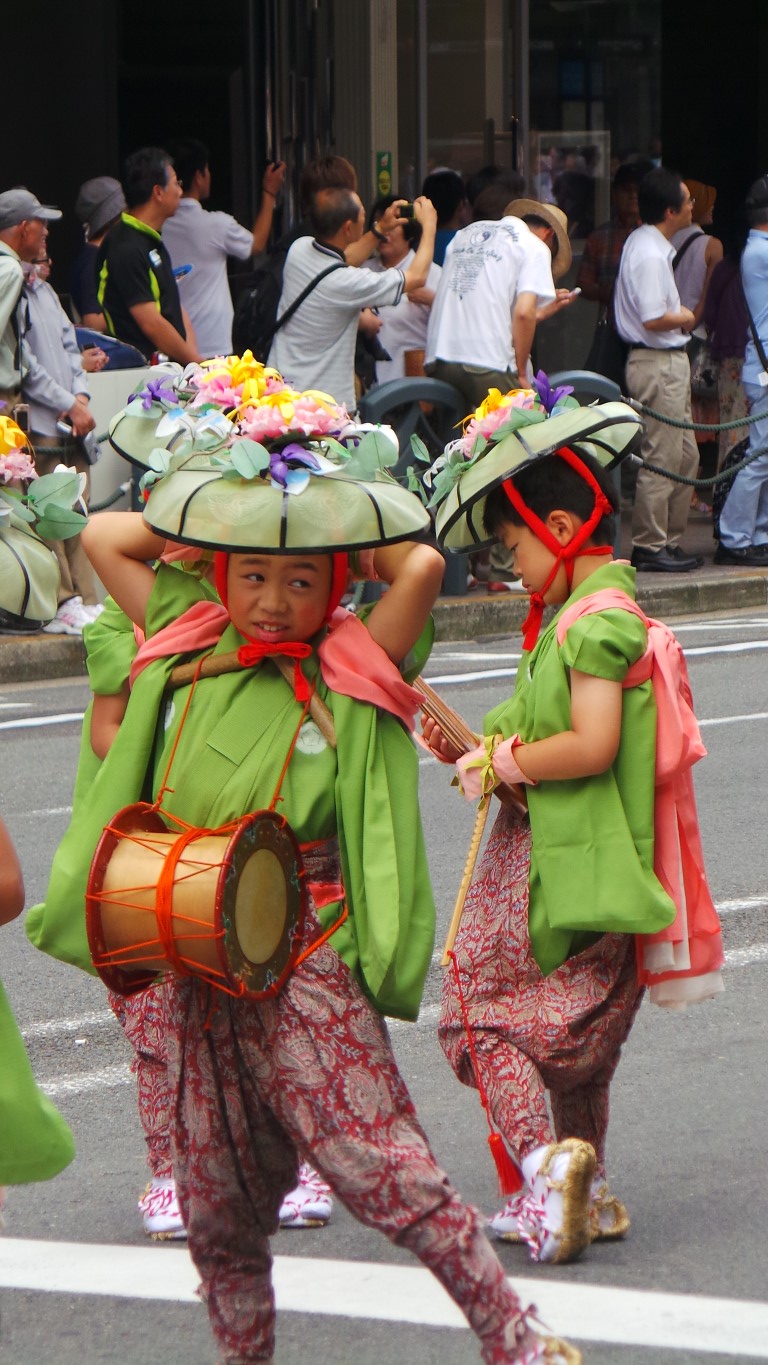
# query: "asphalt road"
x,y
80,1283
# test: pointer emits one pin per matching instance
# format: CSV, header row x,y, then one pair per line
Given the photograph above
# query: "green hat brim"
x,y
334,512
136,437
29,579
608,432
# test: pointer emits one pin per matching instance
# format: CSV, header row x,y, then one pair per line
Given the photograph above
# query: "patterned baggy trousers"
x,y
560,1033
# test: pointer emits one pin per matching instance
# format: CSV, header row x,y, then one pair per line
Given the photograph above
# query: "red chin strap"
x,y
564,554
256,650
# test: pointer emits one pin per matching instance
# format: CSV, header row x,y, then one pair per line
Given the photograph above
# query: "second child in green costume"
x,y
544,984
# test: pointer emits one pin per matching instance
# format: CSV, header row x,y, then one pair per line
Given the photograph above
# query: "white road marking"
x,y
402,1294
745,957
47,810
105,1079
15,706
746,903
32,722
734,720
47,1028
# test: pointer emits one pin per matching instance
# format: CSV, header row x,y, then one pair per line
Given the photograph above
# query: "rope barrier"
x,y
700,483
119,493
691,426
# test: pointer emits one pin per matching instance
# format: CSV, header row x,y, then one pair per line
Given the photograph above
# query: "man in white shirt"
x,y
650,317
315,349
496,277
204,240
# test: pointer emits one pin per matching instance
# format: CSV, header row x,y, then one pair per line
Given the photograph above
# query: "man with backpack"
x,y
314,347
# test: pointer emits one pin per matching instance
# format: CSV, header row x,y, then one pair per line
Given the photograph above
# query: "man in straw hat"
x,y
497,275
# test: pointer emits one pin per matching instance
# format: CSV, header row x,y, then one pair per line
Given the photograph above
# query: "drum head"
x,y
262,905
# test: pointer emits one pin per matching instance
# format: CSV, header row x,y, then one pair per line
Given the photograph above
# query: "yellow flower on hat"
x,y
11,436
516,398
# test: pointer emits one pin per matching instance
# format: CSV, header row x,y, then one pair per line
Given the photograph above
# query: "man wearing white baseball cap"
x,y
23,234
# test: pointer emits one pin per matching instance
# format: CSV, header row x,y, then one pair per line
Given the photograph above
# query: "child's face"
x,y
533,562
273,598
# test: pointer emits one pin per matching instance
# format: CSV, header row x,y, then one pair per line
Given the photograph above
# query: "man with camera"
x,y
315,349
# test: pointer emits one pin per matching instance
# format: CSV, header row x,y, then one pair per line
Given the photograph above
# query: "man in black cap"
x,y
23,236
98,206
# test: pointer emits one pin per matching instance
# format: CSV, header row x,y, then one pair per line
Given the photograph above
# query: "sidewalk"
x,y
31,658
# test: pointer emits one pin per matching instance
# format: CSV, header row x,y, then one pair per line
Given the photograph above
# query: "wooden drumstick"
x,y
217,664
458,733
469,869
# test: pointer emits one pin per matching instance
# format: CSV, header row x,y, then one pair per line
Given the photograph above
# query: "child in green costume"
x,y
310,1069
544,984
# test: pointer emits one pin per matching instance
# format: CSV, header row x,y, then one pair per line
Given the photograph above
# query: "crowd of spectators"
x,y
452,286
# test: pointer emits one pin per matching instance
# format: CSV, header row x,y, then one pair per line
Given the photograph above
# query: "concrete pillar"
x,y
365,87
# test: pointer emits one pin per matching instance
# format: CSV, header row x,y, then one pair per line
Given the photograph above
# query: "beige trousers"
x,y
662,380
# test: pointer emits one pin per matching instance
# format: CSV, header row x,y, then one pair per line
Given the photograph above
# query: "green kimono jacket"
x,y
592,837
234,742
35,1141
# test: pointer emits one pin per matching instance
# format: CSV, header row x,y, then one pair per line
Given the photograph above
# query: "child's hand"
x,y
436,741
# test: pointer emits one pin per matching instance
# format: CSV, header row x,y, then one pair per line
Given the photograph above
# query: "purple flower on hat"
x,y
289,468
155,392
550,397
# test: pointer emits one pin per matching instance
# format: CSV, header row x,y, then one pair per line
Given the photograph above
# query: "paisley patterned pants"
x,y
560,1033
310,1071
142,1019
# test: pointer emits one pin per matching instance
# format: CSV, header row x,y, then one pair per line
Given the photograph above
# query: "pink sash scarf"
x,y
680,964
350,660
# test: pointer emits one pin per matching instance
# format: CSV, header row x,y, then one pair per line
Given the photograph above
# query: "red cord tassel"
x,y
507,1169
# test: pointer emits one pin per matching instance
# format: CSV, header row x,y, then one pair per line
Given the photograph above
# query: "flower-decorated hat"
x,y
236,459
509,431
31,507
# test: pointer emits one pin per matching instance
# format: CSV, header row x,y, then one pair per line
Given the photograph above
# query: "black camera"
x,y
405,211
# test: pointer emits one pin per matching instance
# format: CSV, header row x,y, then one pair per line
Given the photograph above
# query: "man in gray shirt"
x,y
316,348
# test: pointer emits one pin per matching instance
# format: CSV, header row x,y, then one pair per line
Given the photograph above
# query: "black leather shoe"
x,y
661,561
677,552
751,556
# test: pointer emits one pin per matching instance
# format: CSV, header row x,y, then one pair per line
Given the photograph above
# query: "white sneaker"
x,y
69,619
160,1211
555,1217
310,1204
93,612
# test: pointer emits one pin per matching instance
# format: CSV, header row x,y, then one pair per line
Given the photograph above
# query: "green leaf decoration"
x,y
334,449
420,450
371,456
59,523
414,485
160,460
61,489
11,503
249,458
